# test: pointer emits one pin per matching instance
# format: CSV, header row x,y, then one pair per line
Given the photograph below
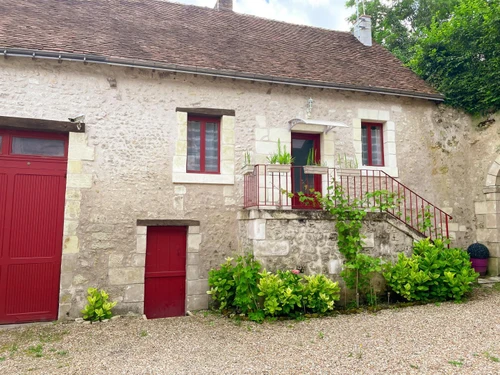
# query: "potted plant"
x,y
248,167
479,255
347,166
313,165
280,161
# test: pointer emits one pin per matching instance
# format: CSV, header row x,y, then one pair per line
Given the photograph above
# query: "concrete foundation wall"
x,y
126,167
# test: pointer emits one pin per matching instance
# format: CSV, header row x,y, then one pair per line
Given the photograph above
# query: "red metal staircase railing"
x,y
264,188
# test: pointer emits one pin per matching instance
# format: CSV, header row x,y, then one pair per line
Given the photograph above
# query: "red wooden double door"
x,y
165,283
32,191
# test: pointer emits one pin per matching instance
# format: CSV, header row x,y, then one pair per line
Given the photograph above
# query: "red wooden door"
x,y
32,189
165,284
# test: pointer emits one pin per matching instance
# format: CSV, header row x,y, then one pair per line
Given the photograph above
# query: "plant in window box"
x,y
313,166
280,161
347,166
248,167
479,255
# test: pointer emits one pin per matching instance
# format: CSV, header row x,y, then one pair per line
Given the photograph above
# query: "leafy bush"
x,y
235,286
478,251
98,307
432,273
320,293
282,292
246,277
222,285
240,288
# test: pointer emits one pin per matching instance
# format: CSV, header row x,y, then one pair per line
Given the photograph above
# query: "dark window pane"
x,y
211,147
35,146
193,146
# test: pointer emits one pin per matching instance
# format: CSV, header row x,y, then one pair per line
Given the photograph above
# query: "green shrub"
x,y
320,293
98,307
282,292
432,273
234,287
246,277
241,289
222,285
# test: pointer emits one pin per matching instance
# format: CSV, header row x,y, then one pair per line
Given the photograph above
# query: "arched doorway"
x,y
488,217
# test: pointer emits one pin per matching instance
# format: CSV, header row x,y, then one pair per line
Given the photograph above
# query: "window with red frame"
x,y
372,140
203,145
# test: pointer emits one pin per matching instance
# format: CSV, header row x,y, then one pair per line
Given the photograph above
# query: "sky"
x,y
329,14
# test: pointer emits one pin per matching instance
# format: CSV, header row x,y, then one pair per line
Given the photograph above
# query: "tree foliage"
x,y
453,44
399,24
461,57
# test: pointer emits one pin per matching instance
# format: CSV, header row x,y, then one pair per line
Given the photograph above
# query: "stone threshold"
x,y
488,279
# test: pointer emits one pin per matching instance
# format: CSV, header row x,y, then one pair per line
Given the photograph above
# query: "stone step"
x,y
489,280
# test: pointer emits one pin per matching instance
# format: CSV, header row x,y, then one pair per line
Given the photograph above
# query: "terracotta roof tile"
x,y
191,36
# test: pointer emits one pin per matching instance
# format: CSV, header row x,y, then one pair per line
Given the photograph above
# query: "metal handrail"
x,y
265,187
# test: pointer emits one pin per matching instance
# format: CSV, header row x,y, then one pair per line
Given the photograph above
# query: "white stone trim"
x,y
266,142
76,182
488,215
133,277
227,157
389,134
493,176
196,286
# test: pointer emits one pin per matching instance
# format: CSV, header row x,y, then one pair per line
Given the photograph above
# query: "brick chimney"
x,y
224,5
363,30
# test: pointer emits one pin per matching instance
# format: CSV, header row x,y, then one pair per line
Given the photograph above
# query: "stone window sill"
x,y
200,178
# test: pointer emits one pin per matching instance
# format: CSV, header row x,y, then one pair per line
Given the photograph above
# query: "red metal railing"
x,y
266,188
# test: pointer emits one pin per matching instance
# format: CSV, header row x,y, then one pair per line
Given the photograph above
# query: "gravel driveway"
x,y
433,339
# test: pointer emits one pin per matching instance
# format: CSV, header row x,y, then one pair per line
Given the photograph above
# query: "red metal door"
x,y
165,284
32,189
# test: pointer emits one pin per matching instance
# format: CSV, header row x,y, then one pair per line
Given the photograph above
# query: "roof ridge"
x,y
243,15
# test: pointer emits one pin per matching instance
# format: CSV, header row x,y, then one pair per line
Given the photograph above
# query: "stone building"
x,y
145,192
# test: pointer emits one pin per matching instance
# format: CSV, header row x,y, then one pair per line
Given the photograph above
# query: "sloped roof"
x,y
202,39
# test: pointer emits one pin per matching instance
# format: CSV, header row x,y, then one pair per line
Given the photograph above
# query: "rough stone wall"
x,y
283,240
131,131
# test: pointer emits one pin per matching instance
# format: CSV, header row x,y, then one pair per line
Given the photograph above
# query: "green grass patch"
x,y
36,351
491,357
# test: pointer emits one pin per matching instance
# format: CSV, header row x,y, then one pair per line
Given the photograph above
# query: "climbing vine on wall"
x,y
349,214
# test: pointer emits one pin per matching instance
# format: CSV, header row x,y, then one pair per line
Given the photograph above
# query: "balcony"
x,y
266,188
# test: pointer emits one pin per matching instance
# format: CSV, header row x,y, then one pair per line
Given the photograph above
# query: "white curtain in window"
x,y
364,144
193,146
211,147
376,145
